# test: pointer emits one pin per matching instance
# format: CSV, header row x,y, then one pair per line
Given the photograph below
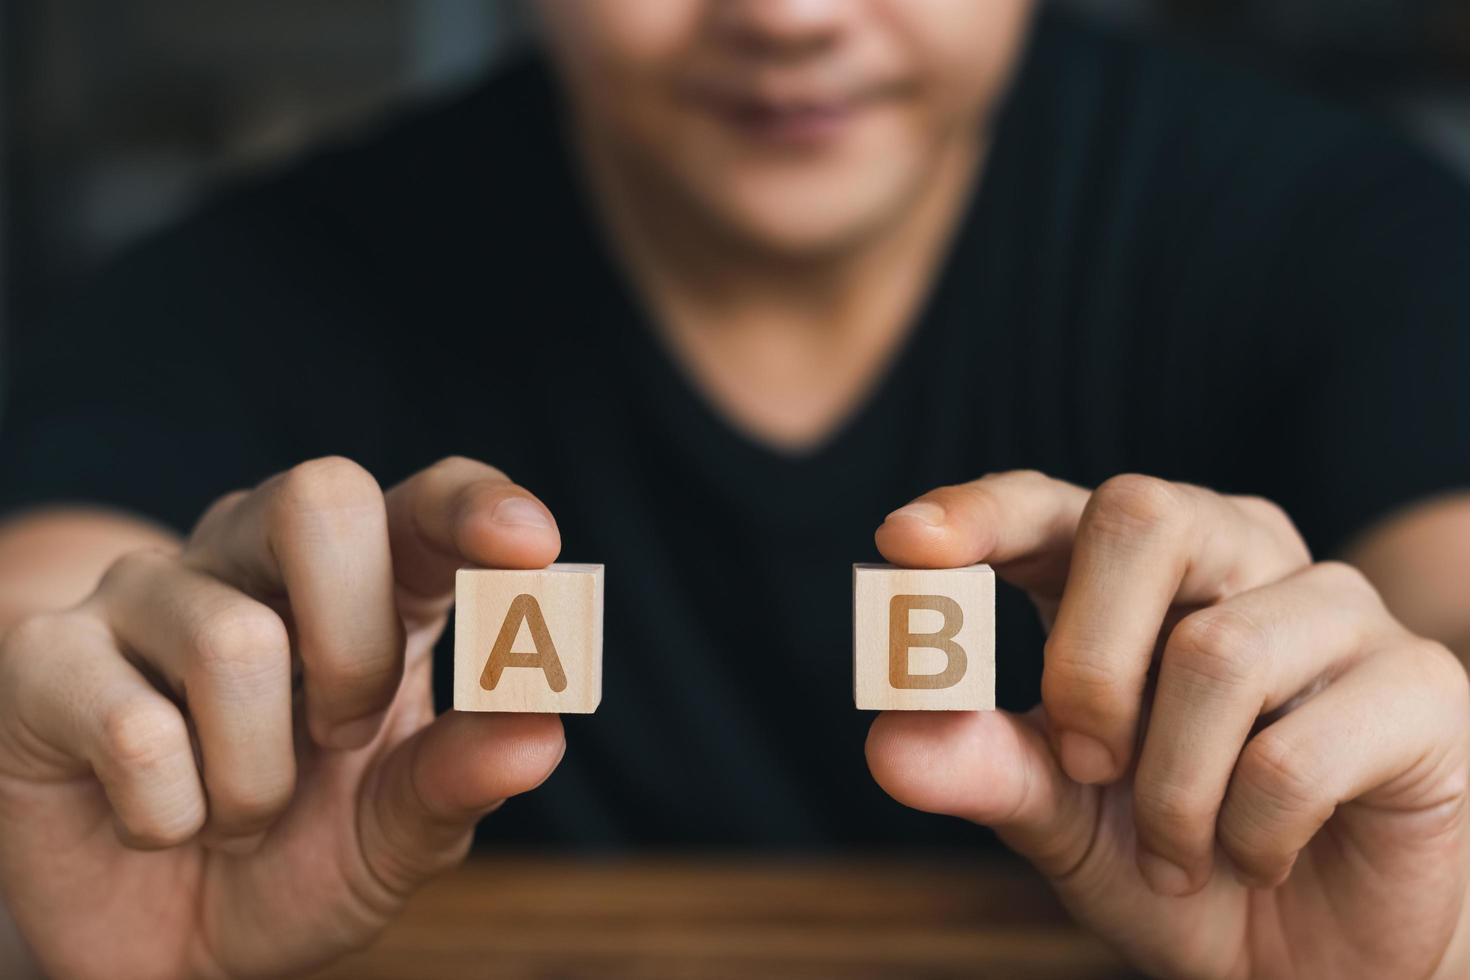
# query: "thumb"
x,y
418,809
992,768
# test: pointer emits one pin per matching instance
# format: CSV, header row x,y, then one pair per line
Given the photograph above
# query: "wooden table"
x,y
766,917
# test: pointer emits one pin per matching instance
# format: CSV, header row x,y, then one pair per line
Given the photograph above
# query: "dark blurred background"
x,y
115,117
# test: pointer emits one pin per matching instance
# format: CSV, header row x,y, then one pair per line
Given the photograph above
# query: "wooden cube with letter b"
x,y
923,640
528,640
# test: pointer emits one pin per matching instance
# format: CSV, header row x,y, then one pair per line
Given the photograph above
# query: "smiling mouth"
x,y
794,119
795,124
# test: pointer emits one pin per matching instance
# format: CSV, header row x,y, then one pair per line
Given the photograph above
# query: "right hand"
x,y
225,762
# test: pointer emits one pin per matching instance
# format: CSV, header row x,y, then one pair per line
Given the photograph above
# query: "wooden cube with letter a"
x,y
923,640
528,640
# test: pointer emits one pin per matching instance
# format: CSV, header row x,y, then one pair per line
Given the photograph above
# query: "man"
x,y
746,277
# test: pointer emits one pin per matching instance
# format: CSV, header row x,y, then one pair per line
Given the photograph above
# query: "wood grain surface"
x,y
716,917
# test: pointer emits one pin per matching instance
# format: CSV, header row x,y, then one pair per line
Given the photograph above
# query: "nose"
x,y
782,28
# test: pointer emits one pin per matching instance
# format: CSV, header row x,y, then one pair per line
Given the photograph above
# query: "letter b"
x,y
901,640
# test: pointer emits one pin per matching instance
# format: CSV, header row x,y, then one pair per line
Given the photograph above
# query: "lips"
x,y
787,114
800,123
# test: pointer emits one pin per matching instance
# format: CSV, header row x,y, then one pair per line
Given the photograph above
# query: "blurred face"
x,y
795,125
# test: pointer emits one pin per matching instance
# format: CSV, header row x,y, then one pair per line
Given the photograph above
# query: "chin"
x,y
809,215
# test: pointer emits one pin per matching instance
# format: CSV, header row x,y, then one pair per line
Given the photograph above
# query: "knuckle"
x,y
1456,680
239,638
1274,518
1455,787
358,676
1445,672
1246,836
30,652
29,636
132,569
1278,771
158,825
1131,503
24,647
221,507
1347,579
1256,861
1034,479
257,803
454,465
1222,646
143,736
1172,811
1077,685
155,832
1253,842
331,483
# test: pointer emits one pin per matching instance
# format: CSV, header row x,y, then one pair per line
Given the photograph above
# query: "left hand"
x,y
1242,765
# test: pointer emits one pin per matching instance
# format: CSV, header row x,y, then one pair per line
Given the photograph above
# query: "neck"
x,y
784,343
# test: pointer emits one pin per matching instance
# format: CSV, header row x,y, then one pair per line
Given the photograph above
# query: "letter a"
x,y
524,608
900,641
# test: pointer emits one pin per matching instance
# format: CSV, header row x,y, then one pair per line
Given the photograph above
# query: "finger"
x,y
1222,668
989,767
1142,545
1020,522
229,658
318,535
1389,734
423,801
84,706
460,512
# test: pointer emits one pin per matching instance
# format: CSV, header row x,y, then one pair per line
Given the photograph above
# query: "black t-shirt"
x,y
1166,269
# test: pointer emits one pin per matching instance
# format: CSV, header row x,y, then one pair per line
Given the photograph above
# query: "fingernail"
x,y
1164,876
1085,759
356,733
520,512
922,511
